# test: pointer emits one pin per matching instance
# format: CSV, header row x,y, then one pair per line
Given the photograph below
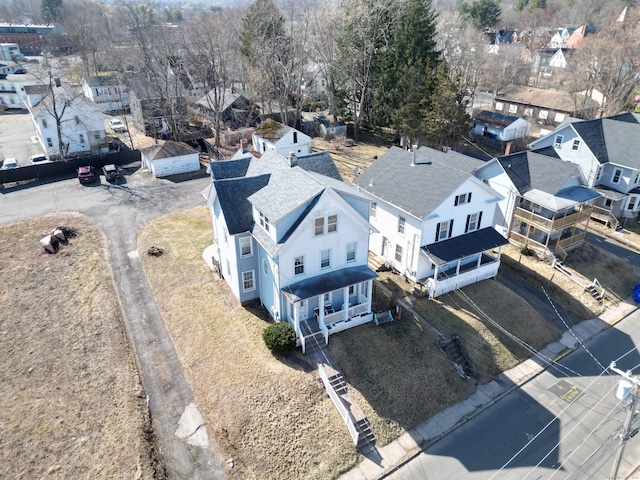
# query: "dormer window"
x,y
616,175
264,222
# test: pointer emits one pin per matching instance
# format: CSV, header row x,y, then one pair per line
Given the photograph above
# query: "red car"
x,y
86,174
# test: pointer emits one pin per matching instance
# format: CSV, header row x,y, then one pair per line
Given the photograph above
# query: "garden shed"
x,y
170,158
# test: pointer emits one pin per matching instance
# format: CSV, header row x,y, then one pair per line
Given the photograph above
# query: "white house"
x,y
434,217
81,121
544,205
273,136
170,158
607,152
107,92
291,233
10,52
499,126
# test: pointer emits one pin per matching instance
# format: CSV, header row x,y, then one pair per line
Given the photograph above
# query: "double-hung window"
x,y
325,258
398,253
401,222
298,265
246,247
319,226
248,283
351,252
473,222
332,223
616,175
373,211
443,230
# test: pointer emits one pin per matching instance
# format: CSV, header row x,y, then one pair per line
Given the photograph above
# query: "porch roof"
x,y
328,282
463,246
609,193
565,198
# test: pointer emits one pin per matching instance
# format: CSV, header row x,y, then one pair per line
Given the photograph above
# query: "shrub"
x,y
280,337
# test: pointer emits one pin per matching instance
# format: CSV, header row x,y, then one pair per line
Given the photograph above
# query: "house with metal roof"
x,y
545,206
290,233
434,218
498,126
607,152
283,139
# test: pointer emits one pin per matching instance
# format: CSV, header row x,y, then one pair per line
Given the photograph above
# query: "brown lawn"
x,y
72,403
270,413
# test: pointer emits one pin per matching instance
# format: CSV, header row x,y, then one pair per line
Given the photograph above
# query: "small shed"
x,y
331,127
498,126
170,158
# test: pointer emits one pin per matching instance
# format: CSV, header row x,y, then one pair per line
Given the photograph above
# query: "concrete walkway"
x,y
385,460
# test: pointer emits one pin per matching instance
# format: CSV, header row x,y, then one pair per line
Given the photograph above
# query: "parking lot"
x,y
18,137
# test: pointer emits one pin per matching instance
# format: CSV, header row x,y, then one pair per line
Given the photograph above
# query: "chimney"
x,y
510,148
293,160
57,80
244,144
599,113
413,157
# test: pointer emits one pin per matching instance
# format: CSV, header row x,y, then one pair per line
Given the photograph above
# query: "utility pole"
x,y
630,397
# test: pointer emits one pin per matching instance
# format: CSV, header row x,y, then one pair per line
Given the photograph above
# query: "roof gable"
x,y
534,171
233,195
168,150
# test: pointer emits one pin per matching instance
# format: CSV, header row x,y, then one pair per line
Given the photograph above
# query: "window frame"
x,y
616,176
298,265
325,259
473,225
373,211
543,114
632,205
499,106
401,224
557,141
575,146
248,276
332,226
443,234
398,251
243,242
352,251
44,123
318,226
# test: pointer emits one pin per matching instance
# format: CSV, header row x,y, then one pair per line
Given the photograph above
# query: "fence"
x,y
337,401
69,167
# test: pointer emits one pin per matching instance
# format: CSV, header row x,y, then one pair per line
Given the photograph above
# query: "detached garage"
x,y
170,158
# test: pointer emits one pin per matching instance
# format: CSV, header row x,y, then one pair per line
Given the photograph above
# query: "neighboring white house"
x,y
434,217
291,233
81,121
606,151
170,158
106,91
273,136
545,206
498,126
10,52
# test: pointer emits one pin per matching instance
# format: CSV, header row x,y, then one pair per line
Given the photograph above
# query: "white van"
x,y
9,163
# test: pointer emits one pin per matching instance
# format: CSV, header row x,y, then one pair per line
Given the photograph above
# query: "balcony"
x,y
552,224
449,280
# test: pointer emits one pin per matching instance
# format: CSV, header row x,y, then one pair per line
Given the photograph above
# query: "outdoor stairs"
x,y
338,383
367,437
377,263
451,347
596,293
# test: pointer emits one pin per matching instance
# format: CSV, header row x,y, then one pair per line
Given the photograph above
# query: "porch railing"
x,y
549,224
605,215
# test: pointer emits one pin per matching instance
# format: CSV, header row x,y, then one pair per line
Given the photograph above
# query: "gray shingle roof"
x,y
229,168
419,189
233,195
101,81
533,171
613,139
167,150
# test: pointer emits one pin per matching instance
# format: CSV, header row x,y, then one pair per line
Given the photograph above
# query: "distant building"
x,y
33,39
107,92
10,52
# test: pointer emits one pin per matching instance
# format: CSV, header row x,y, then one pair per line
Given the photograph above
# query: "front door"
x,y
301,306
385,247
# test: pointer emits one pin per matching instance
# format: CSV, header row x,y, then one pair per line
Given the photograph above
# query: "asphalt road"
x,y
563,424
611,246
120,211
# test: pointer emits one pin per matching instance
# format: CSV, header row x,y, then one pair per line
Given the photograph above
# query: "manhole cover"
x,y
565,391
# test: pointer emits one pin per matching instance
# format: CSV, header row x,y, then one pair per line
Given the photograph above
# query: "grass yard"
x,y
72,403
270,414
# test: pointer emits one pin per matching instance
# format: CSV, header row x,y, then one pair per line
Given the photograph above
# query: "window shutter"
x,y
469,198
479,220
450,228
466,227
455,201
437,232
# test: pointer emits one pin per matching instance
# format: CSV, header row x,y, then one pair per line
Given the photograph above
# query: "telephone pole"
x,y
627,390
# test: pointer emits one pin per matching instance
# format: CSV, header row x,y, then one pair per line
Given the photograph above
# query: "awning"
x,y
463,246
328,282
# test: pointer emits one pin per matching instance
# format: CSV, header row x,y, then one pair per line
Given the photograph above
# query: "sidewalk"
x,y
381,461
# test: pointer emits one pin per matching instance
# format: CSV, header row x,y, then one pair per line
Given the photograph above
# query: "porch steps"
x,y
452,348
338,383
367,437
377,263
597,294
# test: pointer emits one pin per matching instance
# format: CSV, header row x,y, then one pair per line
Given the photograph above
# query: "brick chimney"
x,y
244,145
57,81
599,113
510,148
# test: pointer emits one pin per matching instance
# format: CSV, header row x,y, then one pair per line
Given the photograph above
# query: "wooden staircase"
x,y
596,291
452,348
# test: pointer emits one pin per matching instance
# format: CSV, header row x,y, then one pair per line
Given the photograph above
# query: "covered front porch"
x,y
463,260
329,303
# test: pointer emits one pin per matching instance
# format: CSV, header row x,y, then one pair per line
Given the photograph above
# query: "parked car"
x,y
9,163
111,173
86,174
117,125
39,159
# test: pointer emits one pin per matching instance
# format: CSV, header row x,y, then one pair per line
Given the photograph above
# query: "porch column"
x,y
296,319
369,292
321,308
345,303
499,252
479,262
458,267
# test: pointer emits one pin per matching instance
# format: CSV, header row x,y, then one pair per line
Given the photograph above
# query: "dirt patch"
x,y
73,405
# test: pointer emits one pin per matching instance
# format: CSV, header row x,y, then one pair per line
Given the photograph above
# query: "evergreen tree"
x,y
411,48
49,9
484,14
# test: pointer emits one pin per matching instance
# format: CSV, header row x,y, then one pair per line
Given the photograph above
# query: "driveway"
x,y
16,134
120,211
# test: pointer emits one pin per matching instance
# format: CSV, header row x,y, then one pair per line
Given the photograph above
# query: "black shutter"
x,y
437,231
466,227
455,201
469,198
479,220
450,227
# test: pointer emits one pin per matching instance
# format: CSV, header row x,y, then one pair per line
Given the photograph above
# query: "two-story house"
x,y
291,233
545,206
434,217
66,122
605,152
274,136
107,92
